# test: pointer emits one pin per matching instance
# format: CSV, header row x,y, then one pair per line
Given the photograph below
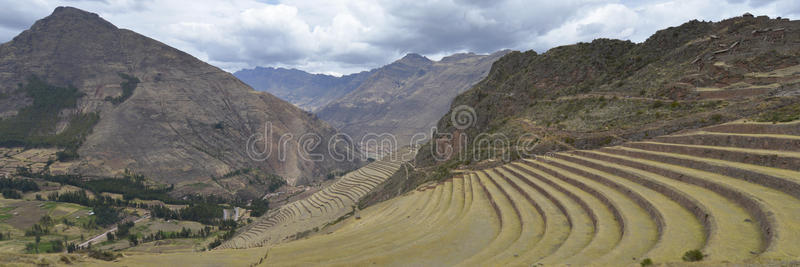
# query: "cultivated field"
x,y
308,215
732,191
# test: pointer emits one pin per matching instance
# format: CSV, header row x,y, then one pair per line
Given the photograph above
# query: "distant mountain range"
x,y
305,90
403,98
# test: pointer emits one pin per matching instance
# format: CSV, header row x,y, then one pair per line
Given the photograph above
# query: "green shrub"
x,y
104,255
646,262
783,114
67,155
716,117
693,255
11,193
128,86
657,104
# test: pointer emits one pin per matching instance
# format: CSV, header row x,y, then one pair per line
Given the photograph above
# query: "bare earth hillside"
x,y
162,112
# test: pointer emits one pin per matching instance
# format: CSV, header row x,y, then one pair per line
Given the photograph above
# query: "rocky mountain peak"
x,y
72,19
414,59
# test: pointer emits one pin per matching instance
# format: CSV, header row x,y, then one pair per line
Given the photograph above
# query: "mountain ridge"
x,y
404,97
372,101
306,90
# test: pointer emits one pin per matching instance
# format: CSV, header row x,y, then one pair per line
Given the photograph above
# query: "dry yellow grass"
x,y
784,208
567,210
586,242
728,217
680,228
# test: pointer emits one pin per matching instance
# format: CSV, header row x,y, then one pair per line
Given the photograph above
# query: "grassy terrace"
x,y
616,206
303,217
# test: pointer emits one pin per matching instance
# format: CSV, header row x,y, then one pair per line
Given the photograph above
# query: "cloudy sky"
x,y
340,36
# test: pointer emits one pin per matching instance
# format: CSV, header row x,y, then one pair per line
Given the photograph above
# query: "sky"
x,y
341,37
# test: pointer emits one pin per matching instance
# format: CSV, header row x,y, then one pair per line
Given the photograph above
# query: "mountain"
x,y
608,92
305,90
123,101
407,96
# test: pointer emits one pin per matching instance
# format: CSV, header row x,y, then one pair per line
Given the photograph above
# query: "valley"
x,y
682,149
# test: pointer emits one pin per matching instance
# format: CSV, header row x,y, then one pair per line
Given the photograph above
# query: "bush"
x,y
783,114
106,215
45,247
716,117
259,207
23,185
128,86
11,193
693,255
206,213
104,255
657,104
133,240
124,229
646,262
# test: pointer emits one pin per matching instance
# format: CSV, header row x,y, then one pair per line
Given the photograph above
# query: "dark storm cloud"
x,y
479,26
342,36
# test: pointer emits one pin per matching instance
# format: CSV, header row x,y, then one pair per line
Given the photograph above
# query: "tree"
x,y
110,236
133,240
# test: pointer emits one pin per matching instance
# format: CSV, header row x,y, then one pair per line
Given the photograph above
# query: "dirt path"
x,y
103,235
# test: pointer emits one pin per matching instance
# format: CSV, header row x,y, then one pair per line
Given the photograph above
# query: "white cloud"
x,y
341,36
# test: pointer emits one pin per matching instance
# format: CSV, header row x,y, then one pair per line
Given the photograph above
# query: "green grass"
x,y
49,205
5,213
784,114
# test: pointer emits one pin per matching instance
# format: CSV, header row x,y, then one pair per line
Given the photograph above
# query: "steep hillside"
x,y
607,92
307,91
147,107
407,96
